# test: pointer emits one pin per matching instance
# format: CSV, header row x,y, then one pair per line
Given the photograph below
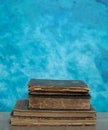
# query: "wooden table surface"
x,y
102,124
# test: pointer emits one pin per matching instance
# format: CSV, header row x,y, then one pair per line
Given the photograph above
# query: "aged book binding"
x,y
21,109
52,121
53,127
59,102
45,86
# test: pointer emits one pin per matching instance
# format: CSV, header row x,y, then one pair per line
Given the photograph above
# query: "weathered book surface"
x,y
21,109
59,102
54,127
45,86
18,120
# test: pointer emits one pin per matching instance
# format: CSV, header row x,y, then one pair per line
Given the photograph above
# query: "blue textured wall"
x,y
56,39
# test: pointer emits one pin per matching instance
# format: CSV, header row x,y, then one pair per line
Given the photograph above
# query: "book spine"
x,y
39,102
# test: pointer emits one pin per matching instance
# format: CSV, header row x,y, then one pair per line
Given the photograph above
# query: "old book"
x,y
21,109
18,120
53,127
63,87
59,102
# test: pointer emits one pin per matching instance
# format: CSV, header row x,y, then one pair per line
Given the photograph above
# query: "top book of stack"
x,y
57,87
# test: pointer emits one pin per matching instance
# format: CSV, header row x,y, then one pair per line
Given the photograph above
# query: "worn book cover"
x,y
63,87
53,127
59,102
21,109
18,120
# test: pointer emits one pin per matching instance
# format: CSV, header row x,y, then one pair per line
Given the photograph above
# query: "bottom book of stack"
x,y
23,116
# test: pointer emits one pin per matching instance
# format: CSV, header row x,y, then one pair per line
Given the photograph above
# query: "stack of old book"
x,y
55,102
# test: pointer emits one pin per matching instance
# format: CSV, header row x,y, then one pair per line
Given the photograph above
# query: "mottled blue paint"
x,y
56,39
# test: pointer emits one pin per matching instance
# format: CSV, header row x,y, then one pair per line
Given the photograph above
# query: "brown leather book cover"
x,y
58,121
21,109
45,86
59,102
54,127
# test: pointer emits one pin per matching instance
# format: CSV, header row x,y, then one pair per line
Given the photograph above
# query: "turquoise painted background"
x,y
55,39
